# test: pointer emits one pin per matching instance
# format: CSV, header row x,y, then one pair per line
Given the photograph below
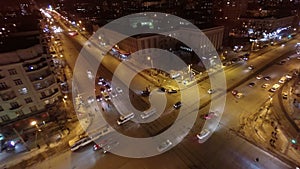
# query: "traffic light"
x,y
294,141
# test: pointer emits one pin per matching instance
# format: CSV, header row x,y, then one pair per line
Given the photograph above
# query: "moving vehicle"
x,y
204,133
252,84
239,95
124,119
259,77
284,95
147,113
251,67
81,143
265,85
164,145
210,91
210,115
282,79
145,93
274,87
170,91
177,105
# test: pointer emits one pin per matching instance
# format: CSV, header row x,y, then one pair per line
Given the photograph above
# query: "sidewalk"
x,y
27,159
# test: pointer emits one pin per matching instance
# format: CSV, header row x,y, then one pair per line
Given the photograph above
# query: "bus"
x,y
147,113
124,119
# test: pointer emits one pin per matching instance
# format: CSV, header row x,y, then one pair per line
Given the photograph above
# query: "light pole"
x,y
34,123
151,61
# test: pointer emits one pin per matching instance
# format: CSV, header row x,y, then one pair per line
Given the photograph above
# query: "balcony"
x,y
3,88
7,98
41,77
15,107
50,95
37,65
44,86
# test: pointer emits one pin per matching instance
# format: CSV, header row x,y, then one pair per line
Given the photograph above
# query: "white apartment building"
x,y
27,85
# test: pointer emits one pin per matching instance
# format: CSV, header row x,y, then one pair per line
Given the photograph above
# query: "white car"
x,y
164,145
259,77
210,91
204,133
119,90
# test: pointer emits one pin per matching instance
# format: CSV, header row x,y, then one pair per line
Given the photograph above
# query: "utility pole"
x,y
21,138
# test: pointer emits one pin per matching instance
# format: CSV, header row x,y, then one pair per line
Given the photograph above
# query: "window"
x,y
43,94
1,108
3,85
23,90
18,82
19,113
14,104
33,109
28,100
5,118
12,71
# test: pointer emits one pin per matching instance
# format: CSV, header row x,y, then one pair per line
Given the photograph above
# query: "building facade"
x,y
27,84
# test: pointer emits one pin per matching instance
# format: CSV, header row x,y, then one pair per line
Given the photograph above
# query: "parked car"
x,y
170,91
177,105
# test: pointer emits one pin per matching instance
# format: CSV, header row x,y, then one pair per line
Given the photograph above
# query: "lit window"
x,y
23,90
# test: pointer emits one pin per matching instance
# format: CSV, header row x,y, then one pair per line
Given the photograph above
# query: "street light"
x,y
151,61
34,123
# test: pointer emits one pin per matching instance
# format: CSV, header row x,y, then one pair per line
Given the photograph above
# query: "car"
x,y
164,145
204,133
96,147
177,105
251,67
99,98
284,95
209,115
101,79
108,87
102,83
265,85
289,76
239,95
210,91
145,93
162,89
113,94
106,148
147,113
119,90
106,96
267,78
251,84
274,87
259,77
281,62
124,118
234,92
170,91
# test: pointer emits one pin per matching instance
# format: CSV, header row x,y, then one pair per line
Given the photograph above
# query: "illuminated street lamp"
x,y
34,123
151,61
